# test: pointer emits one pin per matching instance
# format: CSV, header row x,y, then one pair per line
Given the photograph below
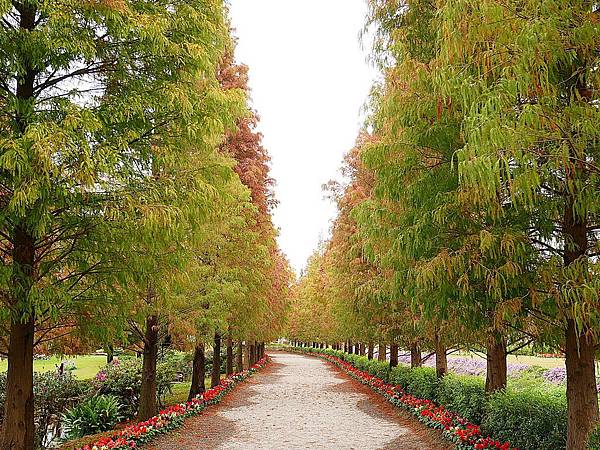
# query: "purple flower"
x,y
101,376
467,366
556,375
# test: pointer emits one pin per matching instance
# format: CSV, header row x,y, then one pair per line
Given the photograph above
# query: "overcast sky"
x,y
309,79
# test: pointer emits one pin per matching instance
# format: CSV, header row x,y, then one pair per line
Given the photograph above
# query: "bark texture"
x,y
496,373
441,358
382,356
393,355
415,356
148,404
582,397
239,356
198,372
229,362
215,378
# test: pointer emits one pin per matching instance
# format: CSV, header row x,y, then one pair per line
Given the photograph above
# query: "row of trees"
x,y
134,191
471,218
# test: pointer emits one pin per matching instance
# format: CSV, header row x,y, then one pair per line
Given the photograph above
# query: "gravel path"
x,y
300,402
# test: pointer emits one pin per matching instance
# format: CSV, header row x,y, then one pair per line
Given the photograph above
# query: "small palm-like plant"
x,y
94,415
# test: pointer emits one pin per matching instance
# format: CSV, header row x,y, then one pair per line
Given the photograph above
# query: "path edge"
x,y
465,436
136,436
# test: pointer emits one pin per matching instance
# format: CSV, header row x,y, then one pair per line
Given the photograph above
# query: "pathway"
x,y
299,402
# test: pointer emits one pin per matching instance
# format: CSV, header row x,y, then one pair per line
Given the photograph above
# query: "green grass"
x,y
179,393
86,366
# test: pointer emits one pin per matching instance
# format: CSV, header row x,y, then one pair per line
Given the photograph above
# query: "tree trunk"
x,y
496,372
229,362
247,353
110,353
240,357
382,352
251,354
441,358
415,356
215,378
393,355
582,400
198,372
582,397
148,405
370,350
18,426
18,431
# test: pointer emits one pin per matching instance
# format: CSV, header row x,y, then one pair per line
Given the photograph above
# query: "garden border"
x,y
459,431
173,417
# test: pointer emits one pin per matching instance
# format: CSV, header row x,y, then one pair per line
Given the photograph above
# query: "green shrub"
x,y
530,414
420,382
401,376
181,363
464,395
594,439
54,394
423,383
94,415
123,380
362,363
379,369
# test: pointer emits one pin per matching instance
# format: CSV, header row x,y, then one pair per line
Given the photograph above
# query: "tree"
x,y
531,135
86,88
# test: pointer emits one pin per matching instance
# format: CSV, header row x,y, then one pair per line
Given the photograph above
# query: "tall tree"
x,y
531,135
86,89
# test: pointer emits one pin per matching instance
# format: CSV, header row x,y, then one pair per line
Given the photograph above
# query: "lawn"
x,y
86,367
180,391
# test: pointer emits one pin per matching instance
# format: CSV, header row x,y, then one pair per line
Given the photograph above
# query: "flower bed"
x,y
465,435
467,366
172,417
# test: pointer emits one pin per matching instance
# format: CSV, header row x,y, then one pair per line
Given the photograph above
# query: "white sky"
x,y
309,79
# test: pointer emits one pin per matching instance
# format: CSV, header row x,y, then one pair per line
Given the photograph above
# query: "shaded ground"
x,y
300,402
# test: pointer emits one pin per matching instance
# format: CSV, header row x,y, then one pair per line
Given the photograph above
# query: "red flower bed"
x,y
466,435
172,417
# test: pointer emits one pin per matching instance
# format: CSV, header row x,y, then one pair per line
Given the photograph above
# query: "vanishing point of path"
x,y
301,402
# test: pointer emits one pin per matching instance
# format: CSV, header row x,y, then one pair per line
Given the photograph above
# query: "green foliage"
x,y
123,382
380,369
93,415
594,439
54,394
529,414
464,395
420,381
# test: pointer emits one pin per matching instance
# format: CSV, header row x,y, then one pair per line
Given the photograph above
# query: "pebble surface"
x,y
301,402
